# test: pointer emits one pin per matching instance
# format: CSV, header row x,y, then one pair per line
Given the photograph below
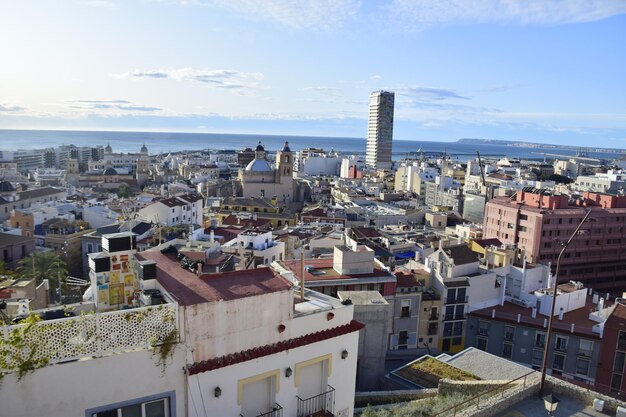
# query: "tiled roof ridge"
x,y
266,350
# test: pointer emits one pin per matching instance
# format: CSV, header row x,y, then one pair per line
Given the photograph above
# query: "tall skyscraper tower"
x,y
380,130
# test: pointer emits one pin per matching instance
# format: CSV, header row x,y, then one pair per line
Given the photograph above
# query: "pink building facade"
x,y
538,224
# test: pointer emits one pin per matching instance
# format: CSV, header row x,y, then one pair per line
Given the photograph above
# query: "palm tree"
x,y
43,265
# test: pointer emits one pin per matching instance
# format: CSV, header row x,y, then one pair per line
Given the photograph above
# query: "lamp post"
x,y
556,283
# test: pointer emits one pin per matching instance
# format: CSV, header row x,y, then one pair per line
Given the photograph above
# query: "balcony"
x,y
452,317
483,332
560,347
585,352
433,317
277,411
322,405
509,337
540,344
455,300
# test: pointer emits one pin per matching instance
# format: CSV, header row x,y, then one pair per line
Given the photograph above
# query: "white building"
x,y
380,130
350,165
240,343
182,209
315,162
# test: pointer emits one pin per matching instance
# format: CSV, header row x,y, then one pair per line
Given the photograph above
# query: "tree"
x,y
43,265
6,272
123,191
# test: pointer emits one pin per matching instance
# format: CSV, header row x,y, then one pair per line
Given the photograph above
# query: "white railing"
x,y
89,335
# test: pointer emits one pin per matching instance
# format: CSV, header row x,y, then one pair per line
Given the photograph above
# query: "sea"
x,y
169,142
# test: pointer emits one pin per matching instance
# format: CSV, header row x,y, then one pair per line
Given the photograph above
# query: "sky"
x,y
548,71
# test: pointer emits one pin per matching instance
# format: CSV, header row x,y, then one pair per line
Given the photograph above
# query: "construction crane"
x,y
480,165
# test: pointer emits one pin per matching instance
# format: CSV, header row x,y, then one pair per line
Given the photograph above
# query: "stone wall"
x,y
448,386
494,405
583,395
362,399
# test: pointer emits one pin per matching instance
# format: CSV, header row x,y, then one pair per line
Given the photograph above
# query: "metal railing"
x,y
451,317
585,352
476,399
509,336
456,300
432,317
324,402
277,411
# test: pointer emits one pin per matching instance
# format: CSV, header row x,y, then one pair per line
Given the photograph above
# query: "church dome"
x,y
5,187
144,149
260,147
108,149
258,165
109,171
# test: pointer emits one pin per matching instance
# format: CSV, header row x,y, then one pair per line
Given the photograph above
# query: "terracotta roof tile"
x,y
266,350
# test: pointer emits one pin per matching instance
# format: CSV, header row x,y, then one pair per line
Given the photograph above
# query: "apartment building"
x,y
536,222
182,209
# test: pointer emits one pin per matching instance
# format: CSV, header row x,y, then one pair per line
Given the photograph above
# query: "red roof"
x,y
408,280
509,311
266,350
189,289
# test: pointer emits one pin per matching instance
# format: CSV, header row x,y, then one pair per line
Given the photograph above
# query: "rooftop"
x,y
580,318
322,270
189,289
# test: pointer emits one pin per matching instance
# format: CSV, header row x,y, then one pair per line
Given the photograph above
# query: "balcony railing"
x,y
456,300
560,347
432,331
433,317
450,317
509,337
322,405
585,352
483,332
540,344
277,411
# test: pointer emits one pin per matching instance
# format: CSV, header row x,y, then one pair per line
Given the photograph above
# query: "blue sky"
x,y
540,71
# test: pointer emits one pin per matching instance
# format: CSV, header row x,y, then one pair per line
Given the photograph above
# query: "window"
x,y
558,362
507,350
154,408
616,382
618,363
582,366
621,341
509,333
406,308
540,340
537,358
481,343
457,341
561,344
483,328
586,348
403,339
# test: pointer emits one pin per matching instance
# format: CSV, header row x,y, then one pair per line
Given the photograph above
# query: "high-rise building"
x,y
538,223
380,130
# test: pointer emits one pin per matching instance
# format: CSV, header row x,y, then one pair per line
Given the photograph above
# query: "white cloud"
x,y
115,105
376,77
317,14
226,79
546,12
429,93
10,108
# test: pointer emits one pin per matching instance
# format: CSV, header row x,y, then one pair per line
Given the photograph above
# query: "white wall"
x,y
342,378
68,389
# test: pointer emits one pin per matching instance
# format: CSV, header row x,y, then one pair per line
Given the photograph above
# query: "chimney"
x,y
545,323
534,314
608,296
519,317
572,329
212,236
493,313
589,291
595,298
601,304
561,313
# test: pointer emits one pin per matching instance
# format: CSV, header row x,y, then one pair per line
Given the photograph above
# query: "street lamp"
x,y
556,283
